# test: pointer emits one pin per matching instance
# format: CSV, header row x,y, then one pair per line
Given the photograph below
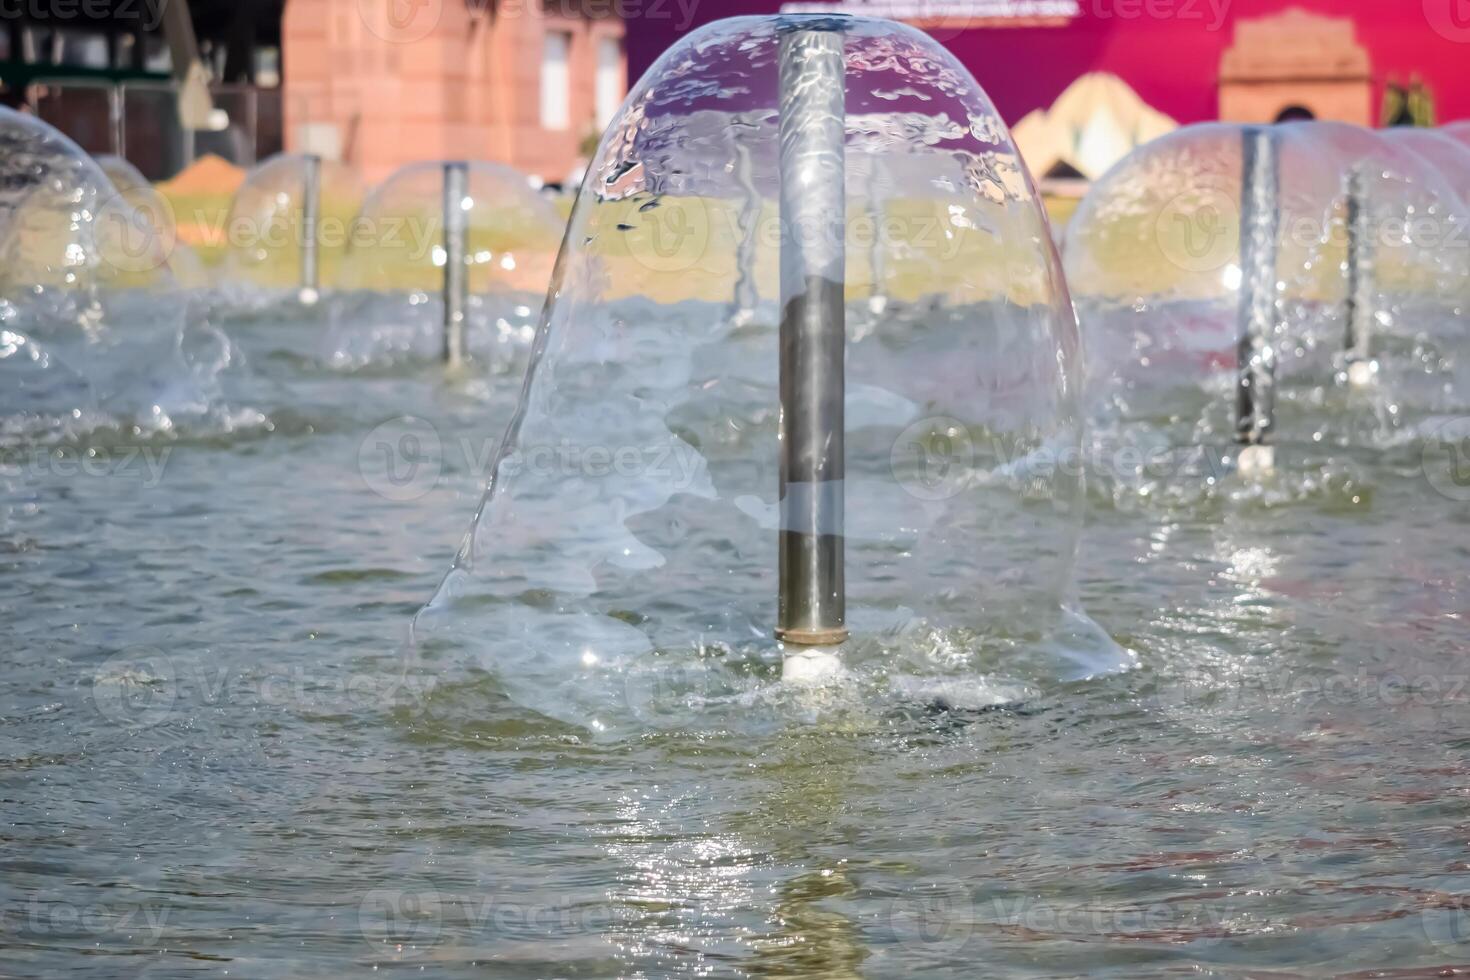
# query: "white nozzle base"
x,y
308,297
1256,461
1361,374
810,666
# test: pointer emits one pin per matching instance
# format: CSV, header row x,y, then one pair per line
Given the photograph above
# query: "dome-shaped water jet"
x,y
1459,131
86,338
65,232
445,259
148,209
290,225
806,381
1226,277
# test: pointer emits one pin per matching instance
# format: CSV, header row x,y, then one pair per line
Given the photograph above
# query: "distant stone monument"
x,y
1296,65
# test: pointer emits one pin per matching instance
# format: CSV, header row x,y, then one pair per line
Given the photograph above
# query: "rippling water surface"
x,y
218,757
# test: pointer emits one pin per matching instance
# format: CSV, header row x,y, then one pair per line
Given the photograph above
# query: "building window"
x,y
556,88
609,80
83,49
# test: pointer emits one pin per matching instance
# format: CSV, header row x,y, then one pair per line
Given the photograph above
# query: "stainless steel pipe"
x,y
812,592
1260,307
456,281
1359,310
311,208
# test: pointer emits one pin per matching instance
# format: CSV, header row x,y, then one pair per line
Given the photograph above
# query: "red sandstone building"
x,y
531,83
381,83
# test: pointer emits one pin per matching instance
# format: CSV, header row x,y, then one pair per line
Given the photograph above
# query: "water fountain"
x,y
1447,155
1294,264
64,231
289,228
725,468
85,338
150,212
1459,131
446,260
792,495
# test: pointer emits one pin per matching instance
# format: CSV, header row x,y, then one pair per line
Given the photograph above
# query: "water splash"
x,y
621,572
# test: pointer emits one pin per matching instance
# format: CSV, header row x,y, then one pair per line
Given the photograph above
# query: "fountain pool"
x,y
220,757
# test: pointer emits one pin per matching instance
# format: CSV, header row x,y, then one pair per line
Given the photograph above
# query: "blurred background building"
x,y
373,83
532,83
382,83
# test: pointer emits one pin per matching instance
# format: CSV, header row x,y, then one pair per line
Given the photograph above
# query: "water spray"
x,y
1359,310
877,255
811,617
747,293
456,283
1260,313
311,208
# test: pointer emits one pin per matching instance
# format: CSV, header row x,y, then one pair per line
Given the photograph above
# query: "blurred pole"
x,y
311,204
115,121
1259,301
1359,311
812,593
456,283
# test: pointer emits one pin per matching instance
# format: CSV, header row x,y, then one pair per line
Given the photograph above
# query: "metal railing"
x,y
139,121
